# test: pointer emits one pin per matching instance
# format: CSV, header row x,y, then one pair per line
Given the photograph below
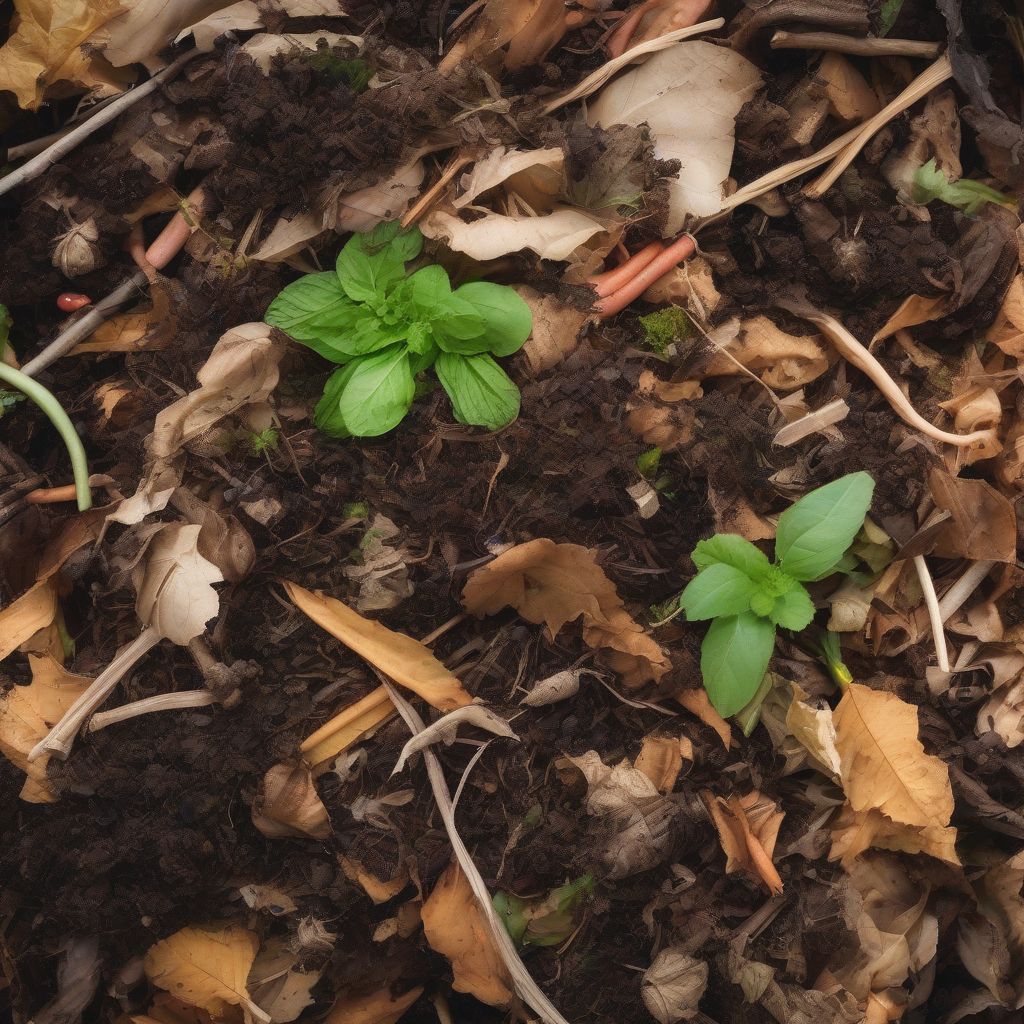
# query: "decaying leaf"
x,y
207,968
672,986
747,828
27,713
277,985
379,1007
263,48
1007,332
408,662
349,726
556,583
174,589
805,735
46,48
689,95
456,928
661,760
853,832
636,821
380,571
783,361
561,686
697,702
379,890
885,769
556,328
445,729
288,804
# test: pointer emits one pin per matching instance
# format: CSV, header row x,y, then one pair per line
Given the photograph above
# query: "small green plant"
x,y
263,441
545,920
665,327
332,67
385,326
748,597
970,196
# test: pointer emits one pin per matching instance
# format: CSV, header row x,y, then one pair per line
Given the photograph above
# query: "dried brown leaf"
x,y
783,361
379,1007
556,583
661,760
853,832
747,829
556,329
697,702
288,804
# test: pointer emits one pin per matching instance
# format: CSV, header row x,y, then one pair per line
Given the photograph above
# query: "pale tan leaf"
x,y
401,658
263,48
277,984
697,702
148,26
456,928
349,726
207,968
537,176
815,731
26,615
174,589
445,729
914,310
783,361
557,583
287,804
27,713
556,329
849,95
46,47
377,1008
672,986
853,832
689,95
1007,332
884,765
661,760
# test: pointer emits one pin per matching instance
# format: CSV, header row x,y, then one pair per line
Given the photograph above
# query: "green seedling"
x,y
263,441
384,326
970,196
543,921
748,598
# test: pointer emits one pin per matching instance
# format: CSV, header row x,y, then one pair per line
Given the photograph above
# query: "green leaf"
x,y
315,311
734,658
793,610
719,589
370,265
507,320
890,12
730,549
371,397
481,392
970,196
814,532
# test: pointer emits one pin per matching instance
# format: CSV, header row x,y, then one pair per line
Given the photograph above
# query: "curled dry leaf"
x,y
661,760
206,968
884,768
853,832
561,686
536,176
804,735
747,829
379,890
455,927
783,361
27,713
381,1007
672,986
1007,332
174,589
556,329
689,95
222,538
445,729
288,804
636,821
698,703
556,583
914,310
982,523
401,658
277,985
380,571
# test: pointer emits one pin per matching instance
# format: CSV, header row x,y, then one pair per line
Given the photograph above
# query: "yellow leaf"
x,y
556,583
378,1008
660,759
379,890
884,766
45,46
401,658
455,927
207,968
27,713
26,615
853,832
350,725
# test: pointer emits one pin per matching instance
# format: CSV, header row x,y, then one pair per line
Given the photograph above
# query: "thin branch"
x,y
827,416
60,149
146,706
526,987
954,598
931,601
859,47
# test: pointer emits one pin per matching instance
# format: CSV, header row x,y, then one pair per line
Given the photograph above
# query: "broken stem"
x,y
931,601
55,413
59,739
857,355
146,706
526,987
859,47
434,191
64,145
954,598
668,259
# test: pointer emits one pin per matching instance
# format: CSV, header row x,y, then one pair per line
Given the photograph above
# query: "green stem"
x,y
59,418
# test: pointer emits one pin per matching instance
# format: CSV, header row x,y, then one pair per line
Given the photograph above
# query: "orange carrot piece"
x,y
670,257
51,495
612,280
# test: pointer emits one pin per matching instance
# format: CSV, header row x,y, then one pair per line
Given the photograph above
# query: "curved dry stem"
x,y
146,706
931,601
955,598
857,355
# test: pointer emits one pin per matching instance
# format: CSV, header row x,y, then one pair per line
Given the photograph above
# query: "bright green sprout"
x,y
667,326
264,441
747,597
385,326
970,196
543,921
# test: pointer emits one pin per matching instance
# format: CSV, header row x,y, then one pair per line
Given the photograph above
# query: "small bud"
x,y
76,252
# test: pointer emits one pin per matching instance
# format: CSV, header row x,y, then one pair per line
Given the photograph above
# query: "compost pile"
x,y
757,247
